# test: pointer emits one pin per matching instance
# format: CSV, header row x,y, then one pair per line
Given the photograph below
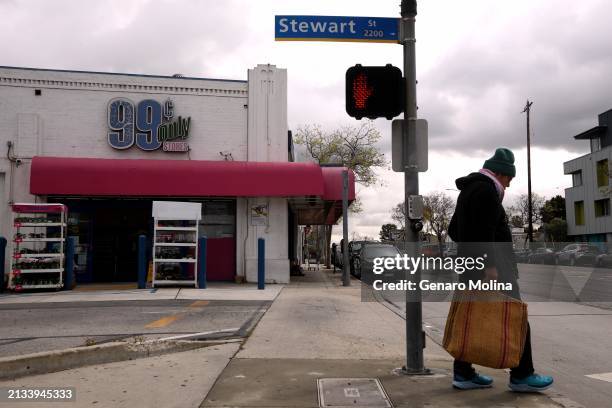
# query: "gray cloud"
x,y
473,80
151,37
556,57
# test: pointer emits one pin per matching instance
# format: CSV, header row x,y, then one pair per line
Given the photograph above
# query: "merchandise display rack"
x,y
175,243
37,260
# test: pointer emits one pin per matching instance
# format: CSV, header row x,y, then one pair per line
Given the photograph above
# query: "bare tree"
x,y
521,208
387,232
437,212
398,213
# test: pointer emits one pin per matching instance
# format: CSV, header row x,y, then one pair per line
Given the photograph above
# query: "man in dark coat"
x,y
480,226
334,248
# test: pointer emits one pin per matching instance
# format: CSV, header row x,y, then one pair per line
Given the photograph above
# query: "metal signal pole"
x,y
414,313
346,268
529,202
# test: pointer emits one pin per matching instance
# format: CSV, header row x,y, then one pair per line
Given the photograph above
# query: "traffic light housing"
x,y
374,92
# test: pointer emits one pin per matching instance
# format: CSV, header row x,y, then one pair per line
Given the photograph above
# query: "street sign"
x,y
336,28
409,153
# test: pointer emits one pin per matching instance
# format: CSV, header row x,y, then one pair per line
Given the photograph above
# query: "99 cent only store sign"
x,y
336,28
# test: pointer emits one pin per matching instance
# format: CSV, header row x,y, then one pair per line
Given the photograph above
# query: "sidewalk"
x,y
318,329
214,291
315,329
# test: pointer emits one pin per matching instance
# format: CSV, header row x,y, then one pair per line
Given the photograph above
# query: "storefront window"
x,y
218,219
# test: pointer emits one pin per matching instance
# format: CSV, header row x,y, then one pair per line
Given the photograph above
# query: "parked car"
x,y
363,262
542,256
604,260
522,255
450,252
432,249
354,247
578,254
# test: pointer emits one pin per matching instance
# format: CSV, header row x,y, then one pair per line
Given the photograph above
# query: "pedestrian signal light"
x,y
374,92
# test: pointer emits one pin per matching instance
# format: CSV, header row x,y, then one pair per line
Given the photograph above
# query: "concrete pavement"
x,y
314,330
567,337
568,343
215,291
169,381
35,327
317,329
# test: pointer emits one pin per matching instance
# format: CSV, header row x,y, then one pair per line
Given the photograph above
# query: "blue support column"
x,y
2,259
261,263
202,263
142,262
69,270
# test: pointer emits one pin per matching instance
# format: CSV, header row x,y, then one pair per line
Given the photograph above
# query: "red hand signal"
x,y
361,91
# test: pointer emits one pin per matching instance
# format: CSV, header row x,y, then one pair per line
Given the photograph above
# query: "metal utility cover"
x,y
352,392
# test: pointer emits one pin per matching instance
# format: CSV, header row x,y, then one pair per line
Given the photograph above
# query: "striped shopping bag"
x,y
486,328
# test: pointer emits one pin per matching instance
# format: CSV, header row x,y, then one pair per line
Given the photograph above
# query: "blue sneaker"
x,y
533,383
477,381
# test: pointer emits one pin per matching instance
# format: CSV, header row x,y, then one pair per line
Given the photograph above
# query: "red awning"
x,y
332,178
184,178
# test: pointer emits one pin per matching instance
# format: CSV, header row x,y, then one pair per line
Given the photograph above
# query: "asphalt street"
x,y
31,327
571,325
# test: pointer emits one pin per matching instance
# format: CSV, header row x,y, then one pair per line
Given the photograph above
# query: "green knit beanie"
x,y
502,162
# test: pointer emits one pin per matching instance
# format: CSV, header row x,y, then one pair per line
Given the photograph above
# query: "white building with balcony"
x,y
587,202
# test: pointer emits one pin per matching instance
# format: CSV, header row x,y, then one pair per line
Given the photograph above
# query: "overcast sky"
x,y
477,63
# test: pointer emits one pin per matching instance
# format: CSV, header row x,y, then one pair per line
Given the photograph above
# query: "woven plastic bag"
x,y
486,328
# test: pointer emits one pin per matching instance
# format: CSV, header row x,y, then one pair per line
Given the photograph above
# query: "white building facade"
x,y
107,145
587,202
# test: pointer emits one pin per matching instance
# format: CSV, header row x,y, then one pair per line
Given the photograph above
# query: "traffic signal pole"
x,y
414,314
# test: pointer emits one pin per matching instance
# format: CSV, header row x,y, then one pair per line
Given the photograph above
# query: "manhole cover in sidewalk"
x,y
352,392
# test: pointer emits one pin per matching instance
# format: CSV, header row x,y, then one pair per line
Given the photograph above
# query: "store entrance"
x,y
107,230
106,233
115,230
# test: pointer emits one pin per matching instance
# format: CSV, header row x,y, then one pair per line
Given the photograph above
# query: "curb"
x,y
60,360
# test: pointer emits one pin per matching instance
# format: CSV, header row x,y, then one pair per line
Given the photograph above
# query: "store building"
x,y
587,202
108,145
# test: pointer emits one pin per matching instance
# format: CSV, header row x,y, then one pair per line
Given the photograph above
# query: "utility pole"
x,y
529,202
346,268
415,338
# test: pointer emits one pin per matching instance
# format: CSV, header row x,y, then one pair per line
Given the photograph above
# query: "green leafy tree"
x,y
387,231
553,208
556,230
353,147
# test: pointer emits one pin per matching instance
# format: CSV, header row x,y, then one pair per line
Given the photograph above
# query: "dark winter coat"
x,y
480,225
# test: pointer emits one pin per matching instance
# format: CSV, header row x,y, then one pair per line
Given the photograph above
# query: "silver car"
x,y
363,262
